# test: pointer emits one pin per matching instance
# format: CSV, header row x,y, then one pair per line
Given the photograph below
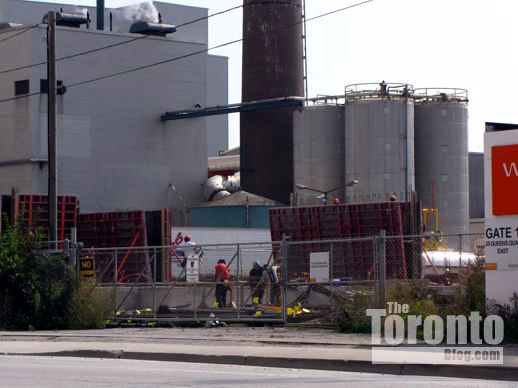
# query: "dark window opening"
x,y
21,87
44,85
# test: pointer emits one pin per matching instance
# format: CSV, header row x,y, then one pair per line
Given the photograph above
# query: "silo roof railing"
x,y
382,90
324,99
441,95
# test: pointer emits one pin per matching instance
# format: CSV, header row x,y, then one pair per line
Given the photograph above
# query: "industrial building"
x,y
119,150
113,150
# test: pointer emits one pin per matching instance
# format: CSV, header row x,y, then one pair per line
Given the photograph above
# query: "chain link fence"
x,y
283,282
217,282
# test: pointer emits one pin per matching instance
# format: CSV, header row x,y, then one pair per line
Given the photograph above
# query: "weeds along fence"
x,y
291,282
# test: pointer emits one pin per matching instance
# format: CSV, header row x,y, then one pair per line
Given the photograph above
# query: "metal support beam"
x,y
234,108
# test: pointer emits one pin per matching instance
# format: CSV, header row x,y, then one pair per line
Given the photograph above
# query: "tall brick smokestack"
x,y
272,68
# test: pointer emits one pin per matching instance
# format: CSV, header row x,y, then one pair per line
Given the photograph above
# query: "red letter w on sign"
x,y
504,160
509,171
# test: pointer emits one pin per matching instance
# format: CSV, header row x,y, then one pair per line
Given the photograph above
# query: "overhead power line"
x,y
20,97
194,53
19,33
114,44
210,48
145,36
338,10
210,16
154,64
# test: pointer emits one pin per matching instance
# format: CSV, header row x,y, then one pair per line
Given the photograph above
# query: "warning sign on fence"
x,y
192,269
319,266
87,267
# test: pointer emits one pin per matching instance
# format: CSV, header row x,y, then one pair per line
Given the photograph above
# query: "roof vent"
x,y
68,19
6,25
155,29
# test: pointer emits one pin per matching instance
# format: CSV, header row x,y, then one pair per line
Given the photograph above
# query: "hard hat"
x,y
186,238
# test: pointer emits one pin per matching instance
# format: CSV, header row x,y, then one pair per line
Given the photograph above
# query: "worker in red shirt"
x,y
222,276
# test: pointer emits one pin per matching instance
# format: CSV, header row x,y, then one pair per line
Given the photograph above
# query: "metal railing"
x,y
439,94
382,90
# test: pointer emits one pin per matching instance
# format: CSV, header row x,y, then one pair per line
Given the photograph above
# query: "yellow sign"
x,y
87,267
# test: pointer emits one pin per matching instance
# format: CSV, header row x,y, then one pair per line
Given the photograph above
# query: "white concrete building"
x,y
113,150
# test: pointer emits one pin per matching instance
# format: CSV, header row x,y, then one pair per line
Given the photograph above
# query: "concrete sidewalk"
x,y
269,347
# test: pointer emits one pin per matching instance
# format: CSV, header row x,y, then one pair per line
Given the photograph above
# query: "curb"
x,y
452,371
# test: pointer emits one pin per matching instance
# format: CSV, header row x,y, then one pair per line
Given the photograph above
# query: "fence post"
x,y
154,283
238,287
382,269
195,297
73,248
331,274
284,257
115,279
460,257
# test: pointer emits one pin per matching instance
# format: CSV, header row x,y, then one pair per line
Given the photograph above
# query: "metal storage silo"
x,y
272,68
318,153
379,141
442,163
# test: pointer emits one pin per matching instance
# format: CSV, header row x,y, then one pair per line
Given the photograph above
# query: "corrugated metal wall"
x,y
318,141
379,138
441,146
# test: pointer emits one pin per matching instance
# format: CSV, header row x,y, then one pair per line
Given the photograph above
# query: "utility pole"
x,y
52,118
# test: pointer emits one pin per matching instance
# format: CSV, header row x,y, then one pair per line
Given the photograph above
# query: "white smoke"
x,y
140,12
79,10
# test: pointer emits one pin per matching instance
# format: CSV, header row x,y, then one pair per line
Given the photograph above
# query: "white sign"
x,y
192,269
319,266
501,221
502,244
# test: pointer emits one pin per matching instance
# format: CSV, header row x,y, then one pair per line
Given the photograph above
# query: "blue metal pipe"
x,y
233,108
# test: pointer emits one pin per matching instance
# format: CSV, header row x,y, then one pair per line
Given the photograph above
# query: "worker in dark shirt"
x,y
275,286
222,277
255,280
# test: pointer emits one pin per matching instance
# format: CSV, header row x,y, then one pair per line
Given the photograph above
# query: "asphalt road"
x,y
56,372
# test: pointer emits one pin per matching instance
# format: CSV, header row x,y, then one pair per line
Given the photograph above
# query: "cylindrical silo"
x,y
379,141
318,153
272,68
442,164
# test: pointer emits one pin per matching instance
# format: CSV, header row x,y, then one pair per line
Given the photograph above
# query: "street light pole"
x,y
352,183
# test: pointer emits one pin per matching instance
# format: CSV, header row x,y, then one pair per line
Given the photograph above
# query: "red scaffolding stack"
x,y
124,230
351,259
112,229
34,210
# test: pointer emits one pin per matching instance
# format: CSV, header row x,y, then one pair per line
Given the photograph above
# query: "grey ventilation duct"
x,y
218,186
156,29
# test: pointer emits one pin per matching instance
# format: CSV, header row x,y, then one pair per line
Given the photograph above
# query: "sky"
x,y
467,44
